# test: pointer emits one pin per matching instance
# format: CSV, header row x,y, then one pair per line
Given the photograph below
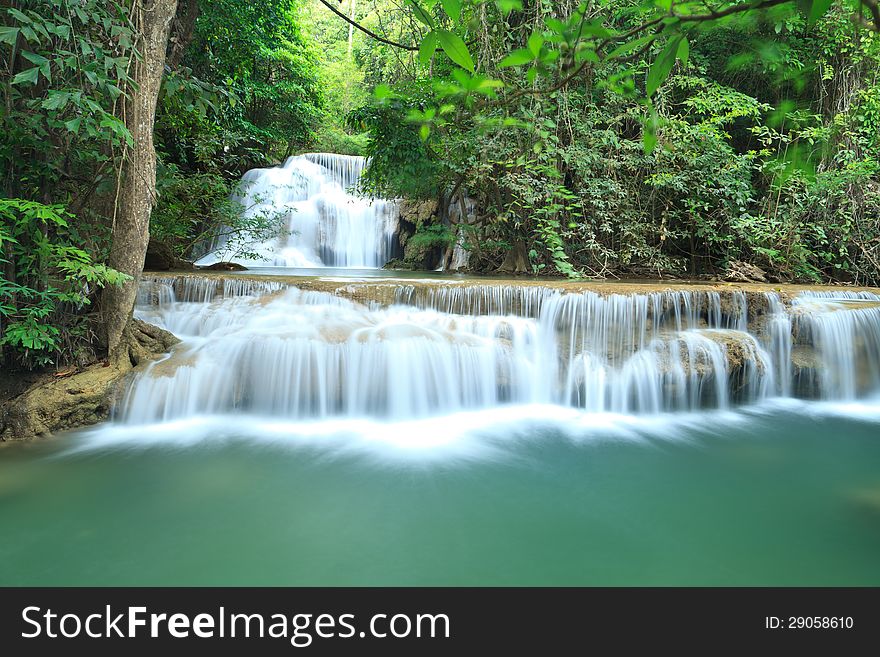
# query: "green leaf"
x,y
55,100
662,66
629,46
684,51
20,17
517,58
41,62
452,8
29,75
8,34
818,8
73,125
534,43
595,29
454,47
555,25
421,14
382,91
507,6
649,141
586,55
424,132
428,47
34,58
649,131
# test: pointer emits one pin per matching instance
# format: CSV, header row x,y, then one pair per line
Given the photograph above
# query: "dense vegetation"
x,y
750,138
605,138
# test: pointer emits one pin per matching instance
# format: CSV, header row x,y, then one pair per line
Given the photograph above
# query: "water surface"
x,y
784,495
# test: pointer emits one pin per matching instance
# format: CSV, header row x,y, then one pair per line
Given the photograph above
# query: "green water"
x,y
782,499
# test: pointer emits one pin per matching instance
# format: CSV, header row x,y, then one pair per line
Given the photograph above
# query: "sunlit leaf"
x,y
428,47
421,14
517,58
455,48
452,8
662,66
534,43
507,6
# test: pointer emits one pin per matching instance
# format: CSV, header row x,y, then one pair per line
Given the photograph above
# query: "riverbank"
x,y
55,401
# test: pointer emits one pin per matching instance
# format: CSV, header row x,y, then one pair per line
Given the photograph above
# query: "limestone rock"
x,y
417,212
57,403
744,272
224,266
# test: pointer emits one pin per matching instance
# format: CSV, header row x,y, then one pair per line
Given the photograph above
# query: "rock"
x,y
398,265
146,341
743,272
223,266
417,212
419,255
161,257
57,403
867,498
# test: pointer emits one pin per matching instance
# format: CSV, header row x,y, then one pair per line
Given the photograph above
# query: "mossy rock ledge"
x,y
84,398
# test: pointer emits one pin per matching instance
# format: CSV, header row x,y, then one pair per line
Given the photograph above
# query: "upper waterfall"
x,y
323,220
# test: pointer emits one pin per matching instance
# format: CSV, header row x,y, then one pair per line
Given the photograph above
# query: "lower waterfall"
x,y
270,350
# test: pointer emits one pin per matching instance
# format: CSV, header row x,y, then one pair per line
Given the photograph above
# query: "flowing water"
x,y
469,435
324,222
402,432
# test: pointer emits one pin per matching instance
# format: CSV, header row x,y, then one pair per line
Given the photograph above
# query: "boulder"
x,y
416,211
223,266
161,257
743,272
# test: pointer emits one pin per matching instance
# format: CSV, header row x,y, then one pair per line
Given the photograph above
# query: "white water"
x,y
324,222
304,356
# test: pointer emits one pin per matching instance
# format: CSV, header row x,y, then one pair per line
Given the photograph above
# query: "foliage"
x,y
640,136
246,94
65,69
53,281
431,236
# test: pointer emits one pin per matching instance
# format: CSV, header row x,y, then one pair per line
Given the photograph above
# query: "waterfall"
x,y
844,328
307,213
269,349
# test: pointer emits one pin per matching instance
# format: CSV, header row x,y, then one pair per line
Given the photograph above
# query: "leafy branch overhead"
x,y
559,52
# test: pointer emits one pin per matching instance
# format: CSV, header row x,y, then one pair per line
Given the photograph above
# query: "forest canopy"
x,y
586,139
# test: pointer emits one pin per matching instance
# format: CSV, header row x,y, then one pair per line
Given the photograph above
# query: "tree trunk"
x,y
516,261
182,31
131,224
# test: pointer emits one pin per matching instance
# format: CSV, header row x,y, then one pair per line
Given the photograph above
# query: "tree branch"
x,y
365,30
874,8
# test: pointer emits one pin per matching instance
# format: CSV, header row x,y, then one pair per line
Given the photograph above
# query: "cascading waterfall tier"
x,y
269,349
322,221
844,330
